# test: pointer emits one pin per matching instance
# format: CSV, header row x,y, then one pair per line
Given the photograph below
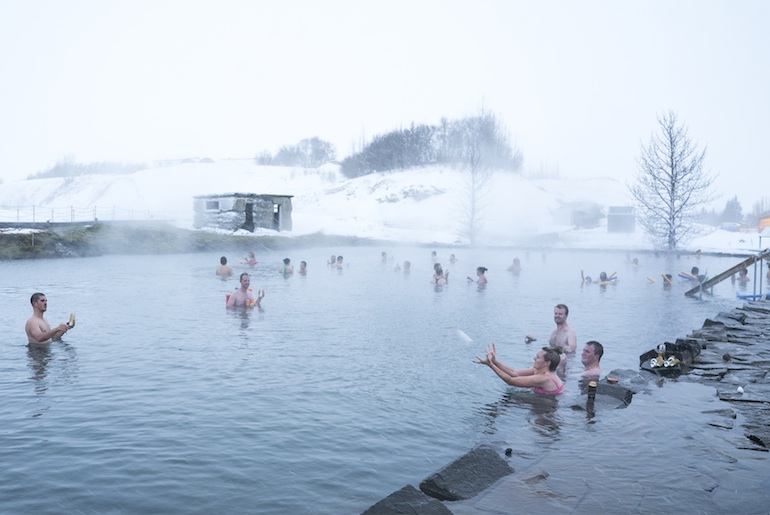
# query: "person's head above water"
x,y
592,350
223,260
551,356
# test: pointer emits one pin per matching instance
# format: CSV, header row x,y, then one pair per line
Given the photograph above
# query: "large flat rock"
x,y
468,475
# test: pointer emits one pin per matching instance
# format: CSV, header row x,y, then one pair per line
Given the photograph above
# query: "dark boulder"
x,y
408,501
467,476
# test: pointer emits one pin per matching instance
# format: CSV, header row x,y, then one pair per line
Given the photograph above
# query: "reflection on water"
x,y
51,365
39,355
57,359
540,412
244,314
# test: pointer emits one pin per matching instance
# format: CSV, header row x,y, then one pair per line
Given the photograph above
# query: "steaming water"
x,y
346,386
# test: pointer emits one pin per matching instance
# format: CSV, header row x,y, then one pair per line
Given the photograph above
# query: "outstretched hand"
x,y
490,358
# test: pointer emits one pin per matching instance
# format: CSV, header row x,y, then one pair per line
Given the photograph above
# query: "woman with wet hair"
x,y
541,376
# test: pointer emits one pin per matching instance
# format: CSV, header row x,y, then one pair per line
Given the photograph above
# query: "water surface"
x,y
345,386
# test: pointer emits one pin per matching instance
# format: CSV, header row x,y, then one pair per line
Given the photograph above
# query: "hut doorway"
x,y
277,217
249,223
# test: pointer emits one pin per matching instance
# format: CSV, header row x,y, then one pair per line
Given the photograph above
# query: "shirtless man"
x,y
563,336
37,328
242,296
591,356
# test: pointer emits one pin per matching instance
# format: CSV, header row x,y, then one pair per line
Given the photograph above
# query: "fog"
x,y
578,84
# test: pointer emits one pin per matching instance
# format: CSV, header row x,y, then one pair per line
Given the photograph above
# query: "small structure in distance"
x,y
234,211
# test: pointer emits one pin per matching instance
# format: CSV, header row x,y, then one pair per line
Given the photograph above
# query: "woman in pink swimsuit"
x,y
541,377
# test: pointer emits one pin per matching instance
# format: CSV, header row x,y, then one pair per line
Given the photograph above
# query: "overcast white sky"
x,y
577,83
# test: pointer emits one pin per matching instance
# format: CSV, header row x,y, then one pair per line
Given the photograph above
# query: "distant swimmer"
x,y
302,268
224,270
338,263
407,267
515,266
482,279
37,328
694,275
286,268
540,376
250,259
440,277
603,278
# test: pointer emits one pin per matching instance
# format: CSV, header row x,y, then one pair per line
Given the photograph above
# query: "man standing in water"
x,y
37,328
563,336
242,296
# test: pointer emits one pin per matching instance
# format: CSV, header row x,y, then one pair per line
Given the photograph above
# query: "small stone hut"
x,y
233,211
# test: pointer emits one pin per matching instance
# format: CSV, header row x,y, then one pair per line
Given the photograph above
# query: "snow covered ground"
x,y
424,205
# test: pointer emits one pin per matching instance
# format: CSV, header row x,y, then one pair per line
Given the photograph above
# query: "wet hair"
x,y
481,269
303,263
223,260
695,270
598,349
603,276
244,273
564,307
339,258
437,267
35,297
286,261
553,356
407,264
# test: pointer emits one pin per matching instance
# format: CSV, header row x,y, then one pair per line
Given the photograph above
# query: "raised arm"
x,y
523,380
520,377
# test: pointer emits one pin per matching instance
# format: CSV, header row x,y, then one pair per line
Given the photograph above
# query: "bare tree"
x,y
474,160
671,184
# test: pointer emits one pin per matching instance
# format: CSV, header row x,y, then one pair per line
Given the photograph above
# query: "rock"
x,y
410,501
467,476
740,317
631,380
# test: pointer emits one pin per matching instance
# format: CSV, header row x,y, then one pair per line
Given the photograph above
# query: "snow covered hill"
x,y
426,205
